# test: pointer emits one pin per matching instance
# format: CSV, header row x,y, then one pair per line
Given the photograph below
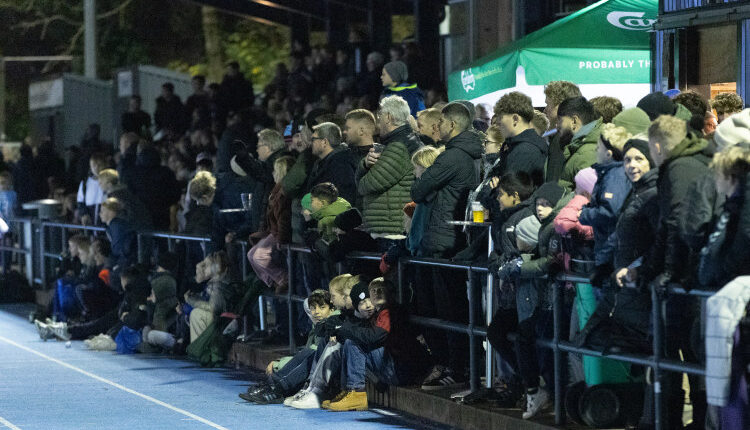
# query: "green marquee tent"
x,y
604,48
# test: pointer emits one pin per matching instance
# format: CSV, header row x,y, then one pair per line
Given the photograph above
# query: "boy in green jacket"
x,y
325,204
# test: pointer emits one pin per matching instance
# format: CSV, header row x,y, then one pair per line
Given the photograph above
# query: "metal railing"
x,y
558,343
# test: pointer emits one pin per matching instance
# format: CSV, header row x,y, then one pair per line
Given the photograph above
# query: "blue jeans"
x,y
293,375
357,362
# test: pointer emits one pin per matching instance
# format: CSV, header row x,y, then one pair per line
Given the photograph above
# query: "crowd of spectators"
x,y
343,157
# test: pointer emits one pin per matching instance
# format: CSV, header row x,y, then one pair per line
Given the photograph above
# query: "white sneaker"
x,y
60,330
301,393
44,330
535,403
306,400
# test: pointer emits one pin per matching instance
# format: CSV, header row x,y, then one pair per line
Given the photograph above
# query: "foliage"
x,y
258,48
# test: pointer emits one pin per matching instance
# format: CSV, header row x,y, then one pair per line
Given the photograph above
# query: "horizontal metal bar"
x,y
448,325
15,250
51,255
284,297
72,226
176,236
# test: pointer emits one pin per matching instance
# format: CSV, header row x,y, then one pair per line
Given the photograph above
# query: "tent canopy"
x,y
604,44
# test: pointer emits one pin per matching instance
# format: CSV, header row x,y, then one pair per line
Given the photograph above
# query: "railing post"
x,y
656,317
170,244
400,274
243,258
140,247
473,374
489,312
42,268
262,312
290,305
560,416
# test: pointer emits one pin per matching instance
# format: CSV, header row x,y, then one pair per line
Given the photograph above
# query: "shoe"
x,y
443,379
308,400
44,330
268,396
288,401
351,401
257,388
536,402
336,398
60,330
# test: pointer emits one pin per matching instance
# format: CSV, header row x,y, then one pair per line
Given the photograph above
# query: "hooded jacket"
x,y
526,152
326,216
611,189
580,153
447,184
385,186
685,208
164,287
409,92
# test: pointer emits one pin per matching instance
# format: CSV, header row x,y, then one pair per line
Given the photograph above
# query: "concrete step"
x,y
435,406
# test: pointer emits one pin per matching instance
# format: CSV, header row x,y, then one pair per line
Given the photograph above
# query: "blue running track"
x,y
44,385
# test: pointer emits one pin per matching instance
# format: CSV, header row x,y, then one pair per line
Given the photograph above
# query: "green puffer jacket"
x,y
580,153
325,217
386,186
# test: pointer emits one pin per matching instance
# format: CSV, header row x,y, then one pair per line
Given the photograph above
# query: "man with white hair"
x,y
386,174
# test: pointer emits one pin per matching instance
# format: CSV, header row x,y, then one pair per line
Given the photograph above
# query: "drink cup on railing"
x,y
477,212
247,200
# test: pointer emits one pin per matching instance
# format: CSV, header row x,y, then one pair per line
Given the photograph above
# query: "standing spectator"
x,y
428,123
270,148
446,185
334,164
578,121
726,105
90,143
170,113
696,104
299,81
50,167
394,78
90,194
656,104
236,91
524,150
611,189
135,120
385,178
234,138
540,123
685,192
121,235
369,84
359,132
23,172
8,197
634,120
606,107
134,211
156,186
555,93
198,101
126,164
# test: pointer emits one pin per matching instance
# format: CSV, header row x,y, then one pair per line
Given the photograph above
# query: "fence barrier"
x,y
33,246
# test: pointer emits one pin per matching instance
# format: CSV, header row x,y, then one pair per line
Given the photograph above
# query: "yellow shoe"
x,y
338,397
351,401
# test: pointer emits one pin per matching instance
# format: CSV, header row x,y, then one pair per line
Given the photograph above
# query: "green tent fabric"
x,y
605,43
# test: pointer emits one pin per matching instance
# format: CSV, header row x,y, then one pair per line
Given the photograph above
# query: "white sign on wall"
x,y
125,83
46,94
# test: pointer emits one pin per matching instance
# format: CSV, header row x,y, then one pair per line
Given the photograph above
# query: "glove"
x,y
510,270
310,237
601,274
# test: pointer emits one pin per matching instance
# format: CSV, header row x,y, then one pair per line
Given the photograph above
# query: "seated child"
x,y
287,375
327,363
386,347
162,303
95,297
325,204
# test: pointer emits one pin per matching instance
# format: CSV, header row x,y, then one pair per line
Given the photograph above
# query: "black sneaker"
x,y
443,378
267,396
257,388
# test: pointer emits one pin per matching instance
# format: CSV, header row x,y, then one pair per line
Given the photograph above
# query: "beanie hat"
x,y
397,70
683,113
634,120
307,202
586,179
674,92
550,191
642,146
656,104
168,261
527,230
359,292
733,130
348,220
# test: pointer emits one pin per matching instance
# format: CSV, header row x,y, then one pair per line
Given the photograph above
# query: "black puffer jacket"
x,y
638,221
679,177
726,254
526,152
262,173
446,184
